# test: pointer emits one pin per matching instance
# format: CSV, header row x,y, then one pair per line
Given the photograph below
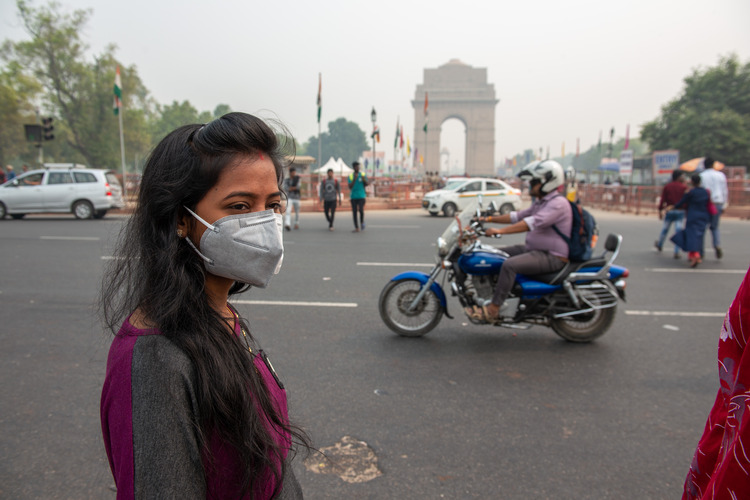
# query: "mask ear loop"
x,y
209,226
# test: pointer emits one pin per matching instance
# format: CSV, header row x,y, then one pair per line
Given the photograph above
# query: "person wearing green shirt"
x,y
357,184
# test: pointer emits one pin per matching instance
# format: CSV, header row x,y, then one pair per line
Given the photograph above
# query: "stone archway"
x,y
456,90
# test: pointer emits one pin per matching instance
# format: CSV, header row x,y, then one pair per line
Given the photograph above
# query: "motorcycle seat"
x,y
570,267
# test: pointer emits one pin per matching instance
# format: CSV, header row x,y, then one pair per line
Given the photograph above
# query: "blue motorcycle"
x,y
578,303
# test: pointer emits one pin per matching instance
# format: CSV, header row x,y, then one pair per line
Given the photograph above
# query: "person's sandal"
x,y
492,320
474,313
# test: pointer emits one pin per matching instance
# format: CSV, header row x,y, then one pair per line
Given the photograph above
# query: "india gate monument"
x,y
456,90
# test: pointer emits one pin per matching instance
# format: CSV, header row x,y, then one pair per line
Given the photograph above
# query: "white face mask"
x,y
245,247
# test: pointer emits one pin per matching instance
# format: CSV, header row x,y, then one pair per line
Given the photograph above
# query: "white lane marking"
x,y
671,327
709,271
71,238
694,314
386,226
393,264
294,303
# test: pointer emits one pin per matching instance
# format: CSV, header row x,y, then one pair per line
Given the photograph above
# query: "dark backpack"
x,y
583,234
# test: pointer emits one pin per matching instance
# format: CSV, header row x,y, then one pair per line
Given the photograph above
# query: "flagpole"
x,y
319,150
122,158
320,108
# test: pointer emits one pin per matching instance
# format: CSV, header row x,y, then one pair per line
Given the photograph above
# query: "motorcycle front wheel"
x,y
587,326
394,303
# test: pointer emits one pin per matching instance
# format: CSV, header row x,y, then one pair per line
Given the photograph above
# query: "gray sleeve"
x,y
166,451
290,489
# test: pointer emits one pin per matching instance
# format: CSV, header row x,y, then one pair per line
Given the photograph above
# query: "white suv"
x,y
86,192
458,192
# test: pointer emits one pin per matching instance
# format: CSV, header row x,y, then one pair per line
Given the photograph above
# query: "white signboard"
x,y
626,162
665,162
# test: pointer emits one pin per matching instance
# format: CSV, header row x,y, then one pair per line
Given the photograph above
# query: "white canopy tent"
x,y
338,167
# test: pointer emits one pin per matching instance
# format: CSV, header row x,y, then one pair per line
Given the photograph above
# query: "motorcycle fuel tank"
x,y
481,263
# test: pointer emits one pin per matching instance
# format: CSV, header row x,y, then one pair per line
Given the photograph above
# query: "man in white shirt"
x,y
716,182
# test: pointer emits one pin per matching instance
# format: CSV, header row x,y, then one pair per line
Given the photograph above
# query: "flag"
x,y
408,146
425,113
320,95
376,134
118,92
401,143
395,141
627,137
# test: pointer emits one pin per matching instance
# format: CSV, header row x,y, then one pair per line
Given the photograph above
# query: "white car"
x,y
86,192
458,192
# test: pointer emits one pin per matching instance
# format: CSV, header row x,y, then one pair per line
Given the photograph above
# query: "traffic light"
x,y
48,128
33,133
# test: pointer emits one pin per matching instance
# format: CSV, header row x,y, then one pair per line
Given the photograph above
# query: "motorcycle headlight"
x,y
442,246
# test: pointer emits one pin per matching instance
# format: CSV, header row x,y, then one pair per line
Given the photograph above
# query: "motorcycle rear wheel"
x,y
394,303
587,326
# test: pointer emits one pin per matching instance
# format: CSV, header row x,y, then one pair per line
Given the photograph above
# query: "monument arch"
x,y
456,90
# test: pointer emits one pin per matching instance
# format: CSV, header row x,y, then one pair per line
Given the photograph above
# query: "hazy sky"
x,y
561,69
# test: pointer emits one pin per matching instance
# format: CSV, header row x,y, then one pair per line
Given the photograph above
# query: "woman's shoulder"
x,y
149,347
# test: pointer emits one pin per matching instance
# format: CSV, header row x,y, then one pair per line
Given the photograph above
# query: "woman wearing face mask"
x,y
191,407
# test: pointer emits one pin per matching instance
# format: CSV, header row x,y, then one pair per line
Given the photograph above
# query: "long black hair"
x,y
162,277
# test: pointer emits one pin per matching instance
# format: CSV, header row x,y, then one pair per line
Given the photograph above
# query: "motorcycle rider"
x,y
544,251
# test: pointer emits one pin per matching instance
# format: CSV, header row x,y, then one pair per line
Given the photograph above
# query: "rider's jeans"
x,y
672,216
521,261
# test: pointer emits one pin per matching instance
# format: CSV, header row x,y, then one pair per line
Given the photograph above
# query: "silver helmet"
x,y
548,172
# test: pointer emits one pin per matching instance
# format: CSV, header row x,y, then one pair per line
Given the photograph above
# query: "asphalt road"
x,y
464,412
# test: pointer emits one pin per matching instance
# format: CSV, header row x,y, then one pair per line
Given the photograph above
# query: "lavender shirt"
x,y
551,209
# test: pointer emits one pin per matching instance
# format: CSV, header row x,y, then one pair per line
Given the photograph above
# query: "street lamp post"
x,y
374,118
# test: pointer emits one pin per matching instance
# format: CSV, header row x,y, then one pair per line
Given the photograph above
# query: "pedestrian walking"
x,y
291,188
670,196
357,195
330,195
716,183
696,202
721,462
191,407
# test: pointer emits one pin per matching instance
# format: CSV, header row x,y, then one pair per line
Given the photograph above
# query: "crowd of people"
x,y
693,204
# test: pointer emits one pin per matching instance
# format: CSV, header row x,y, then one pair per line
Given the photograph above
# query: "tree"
x,y
17,93
344,139
78,93
221,109
173,116
177,114
710,117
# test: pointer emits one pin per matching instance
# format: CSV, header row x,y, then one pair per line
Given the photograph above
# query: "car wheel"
x,y
99,214
449,209
3,211
82,209
506,209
